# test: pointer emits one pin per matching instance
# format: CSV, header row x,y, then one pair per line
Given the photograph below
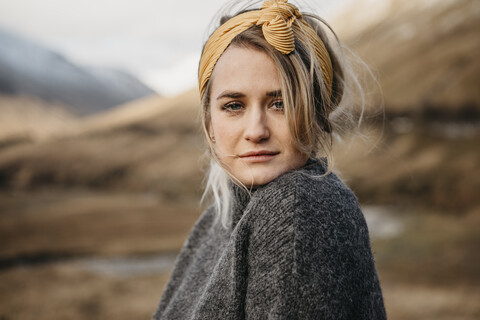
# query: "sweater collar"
x,y
240,200
241,197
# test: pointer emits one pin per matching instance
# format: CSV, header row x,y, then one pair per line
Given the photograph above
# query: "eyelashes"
x,y
232,107
278,105
237,107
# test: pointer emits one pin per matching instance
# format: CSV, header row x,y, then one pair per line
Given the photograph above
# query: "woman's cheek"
x,y
226,135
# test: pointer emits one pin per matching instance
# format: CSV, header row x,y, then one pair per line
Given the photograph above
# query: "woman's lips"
x,y
258,156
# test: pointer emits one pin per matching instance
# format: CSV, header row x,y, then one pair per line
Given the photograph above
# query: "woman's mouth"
x,y
258,156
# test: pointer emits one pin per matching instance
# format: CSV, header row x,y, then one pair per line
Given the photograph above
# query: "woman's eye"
x,y
232,107
278,105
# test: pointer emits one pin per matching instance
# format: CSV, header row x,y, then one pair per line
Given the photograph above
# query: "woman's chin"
x,y
259,179
260,174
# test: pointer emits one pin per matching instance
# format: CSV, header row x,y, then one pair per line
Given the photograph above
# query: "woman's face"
x,y
248,124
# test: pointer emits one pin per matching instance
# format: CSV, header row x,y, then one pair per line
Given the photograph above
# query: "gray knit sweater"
x,y
298,248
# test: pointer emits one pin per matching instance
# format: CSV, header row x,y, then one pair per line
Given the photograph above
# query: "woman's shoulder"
x,y
310,241
309,200
204,227
311,184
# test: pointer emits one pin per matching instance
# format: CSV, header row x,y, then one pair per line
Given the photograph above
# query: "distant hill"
x,y
426,53
153,144
26,118
156,144
27,68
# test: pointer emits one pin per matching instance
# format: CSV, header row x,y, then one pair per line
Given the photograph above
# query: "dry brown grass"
x,y
434,250
64,291
42,234
422,166
424,52
30,118
35,228
428,271
151,153
139,110
65,224
412,302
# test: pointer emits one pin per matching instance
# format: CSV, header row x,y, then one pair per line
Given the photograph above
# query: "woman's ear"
x,y
210,132
212,136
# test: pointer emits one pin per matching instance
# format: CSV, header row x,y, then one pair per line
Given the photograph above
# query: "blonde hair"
x,y
313,116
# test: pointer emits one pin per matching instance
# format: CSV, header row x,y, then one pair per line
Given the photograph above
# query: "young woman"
x,y
284,238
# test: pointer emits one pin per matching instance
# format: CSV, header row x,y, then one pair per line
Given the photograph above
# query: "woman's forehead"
x,y
244,69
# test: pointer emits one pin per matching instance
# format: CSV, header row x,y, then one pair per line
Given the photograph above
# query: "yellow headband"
x,y
276,18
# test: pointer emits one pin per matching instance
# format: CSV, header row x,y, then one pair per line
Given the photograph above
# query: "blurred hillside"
x,y
425,53
27,68
149,145
429,78
24,118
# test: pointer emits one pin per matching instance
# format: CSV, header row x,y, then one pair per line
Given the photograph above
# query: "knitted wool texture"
x,y
297,249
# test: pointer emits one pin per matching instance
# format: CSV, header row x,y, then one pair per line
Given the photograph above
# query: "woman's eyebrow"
x,y
237,95
275,94
230,94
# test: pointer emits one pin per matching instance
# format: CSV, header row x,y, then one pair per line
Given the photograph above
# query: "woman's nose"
x,y
256,129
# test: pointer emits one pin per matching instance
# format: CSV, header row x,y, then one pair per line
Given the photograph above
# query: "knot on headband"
x,y
277,18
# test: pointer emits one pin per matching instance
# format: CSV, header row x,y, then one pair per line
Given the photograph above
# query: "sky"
x,y
158,41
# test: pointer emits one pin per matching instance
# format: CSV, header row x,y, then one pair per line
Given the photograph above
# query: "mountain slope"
x,y
156,144
425,52
24,118
28,68
157,149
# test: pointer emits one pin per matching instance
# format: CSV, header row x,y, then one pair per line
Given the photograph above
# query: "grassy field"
x,y
43,235
428,271
53,218
69,224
